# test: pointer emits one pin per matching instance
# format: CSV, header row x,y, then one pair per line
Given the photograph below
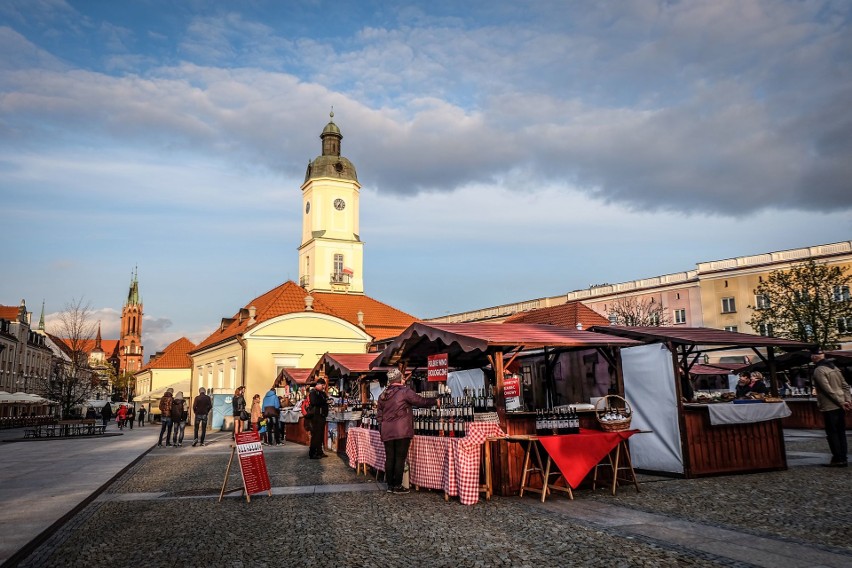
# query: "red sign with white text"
x,y
252,463
512,386
437,367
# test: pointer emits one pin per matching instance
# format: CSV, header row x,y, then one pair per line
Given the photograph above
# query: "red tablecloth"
x,y
448,464
576,454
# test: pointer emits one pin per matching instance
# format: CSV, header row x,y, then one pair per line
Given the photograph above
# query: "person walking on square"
x,y
396,425
271,411
201,407
179,414
238,405
106,414
833,400
142,413
121,416
166,417
255,415
316,419
131,416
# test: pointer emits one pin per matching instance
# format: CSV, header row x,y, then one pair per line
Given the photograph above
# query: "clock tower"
x,y
331,256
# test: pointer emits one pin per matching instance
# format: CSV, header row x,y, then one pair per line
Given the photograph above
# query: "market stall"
x,y
349,376
521,363
795,386
293,384
710,436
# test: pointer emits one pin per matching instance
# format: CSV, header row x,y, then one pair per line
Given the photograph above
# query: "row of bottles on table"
x,y
557,421
477,400
450,422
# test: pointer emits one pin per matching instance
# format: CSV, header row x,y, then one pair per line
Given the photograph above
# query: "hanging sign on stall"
x,y
249,451
437,367
512,391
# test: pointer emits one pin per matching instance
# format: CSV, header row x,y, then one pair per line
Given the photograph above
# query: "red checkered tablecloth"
x,y
447,464
365,446
451,464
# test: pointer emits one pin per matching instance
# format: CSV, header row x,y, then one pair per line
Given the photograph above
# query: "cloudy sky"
x,y
507,150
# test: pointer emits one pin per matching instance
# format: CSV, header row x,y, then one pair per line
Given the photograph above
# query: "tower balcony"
x,y
304,281
340,278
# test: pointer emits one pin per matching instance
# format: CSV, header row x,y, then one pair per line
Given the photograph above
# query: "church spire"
x,y
41,319
98,338
133,293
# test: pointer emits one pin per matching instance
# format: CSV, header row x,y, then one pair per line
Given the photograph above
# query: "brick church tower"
x,y
130,342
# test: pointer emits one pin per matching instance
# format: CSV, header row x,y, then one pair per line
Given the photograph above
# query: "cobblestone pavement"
x,y
164,512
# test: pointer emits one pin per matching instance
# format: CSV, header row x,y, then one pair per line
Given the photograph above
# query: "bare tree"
x,y
641,312
809,302
72,380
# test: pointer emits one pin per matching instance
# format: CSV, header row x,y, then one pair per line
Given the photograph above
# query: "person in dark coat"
x,y
106,413
317,416
201,407
142,413
396,423
131,416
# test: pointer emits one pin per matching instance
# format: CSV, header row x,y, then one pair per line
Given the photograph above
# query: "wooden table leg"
x,y
615,468
545,488
526,467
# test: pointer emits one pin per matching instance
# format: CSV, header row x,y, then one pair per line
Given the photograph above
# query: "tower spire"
x,y
41,319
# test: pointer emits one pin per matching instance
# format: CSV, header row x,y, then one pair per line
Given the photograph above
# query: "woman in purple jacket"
x,y
396,422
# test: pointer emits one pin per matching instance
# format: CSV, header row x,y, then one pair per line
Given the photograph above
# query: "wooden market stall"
x,y
799,396
498,347
348,376
295,384
692,439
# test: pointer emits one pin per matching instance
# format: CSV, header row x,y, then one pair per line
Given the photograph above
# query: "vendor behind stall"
x,y
750,385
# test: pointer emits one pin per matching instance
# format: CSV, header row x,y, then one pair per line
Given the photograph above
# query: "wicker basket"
x,y
605,404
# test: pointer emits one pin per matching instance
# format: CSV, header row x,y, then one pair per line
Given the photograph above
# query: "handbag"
x,y
244,415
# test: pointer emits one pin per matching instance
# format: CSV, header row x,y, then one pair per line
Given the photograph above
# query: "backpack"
x,y
306,406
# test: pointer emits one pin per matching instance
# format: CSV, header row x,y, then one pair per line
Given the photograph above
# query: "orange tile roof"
x,y
175,356
9,313
565,315
380,320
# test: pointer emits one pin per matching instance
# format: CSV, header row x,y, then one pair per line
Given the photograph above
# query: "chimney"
x,y
361,319
579,326
309,303
252,311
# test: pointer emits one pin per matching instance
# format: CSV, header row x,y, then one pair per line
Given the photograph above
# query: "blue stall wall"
x,y
221,407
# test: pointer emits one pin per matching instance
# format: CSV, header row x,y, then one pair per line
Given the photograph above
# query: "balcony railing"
x,y
304,281
340,278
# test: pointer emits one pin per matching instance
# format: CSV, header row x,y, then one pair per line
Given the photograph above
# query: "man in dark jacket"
x,y
396,422
201,407
316,419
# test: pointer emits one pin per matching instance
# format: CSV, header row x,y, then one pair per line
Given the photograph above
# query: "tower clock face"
x,y
308,207
339,204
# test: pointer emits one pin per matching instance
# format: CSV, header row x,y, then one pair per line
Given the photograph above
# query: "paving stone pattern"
x,y
164,512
